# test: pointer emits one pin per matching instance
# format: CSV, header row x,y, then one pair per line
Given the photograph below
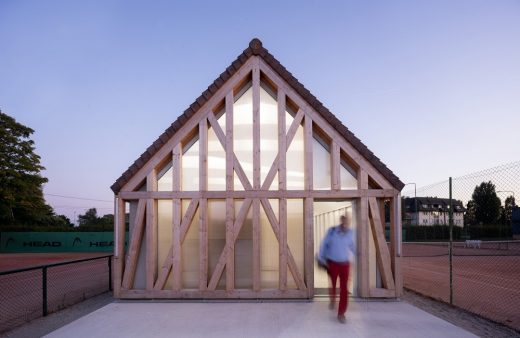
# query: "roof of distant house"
x,y
432,204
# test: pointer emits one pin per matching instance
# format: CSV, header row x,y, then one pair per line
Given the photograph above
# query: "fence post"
x,y
451,243
109,273
44,291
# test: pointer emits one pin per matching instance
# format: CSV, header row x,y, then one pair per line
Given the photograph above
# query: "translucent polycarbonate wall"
x,y
243,134
321,163
190,252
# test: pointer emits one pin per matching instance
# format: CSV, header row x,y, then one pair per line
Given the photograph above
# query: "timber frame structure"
x,y
138,187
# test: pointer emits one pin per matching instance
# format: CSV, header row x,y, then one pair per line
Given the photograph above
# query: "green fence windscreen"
x,y
57,242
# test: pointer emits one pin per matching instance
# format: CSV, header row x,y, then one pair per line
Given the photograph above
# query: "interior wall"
x,y
326,215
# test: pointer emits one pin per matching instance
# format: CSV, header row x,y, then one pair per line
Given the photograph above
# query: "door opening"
x,y
327,214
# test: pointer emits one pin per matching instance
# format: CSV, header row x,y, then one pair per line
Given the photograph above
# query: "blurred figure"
x,y
336,252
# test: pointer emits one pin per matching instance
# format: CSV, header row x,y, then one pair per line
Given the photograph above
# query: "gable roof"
x,y
256,48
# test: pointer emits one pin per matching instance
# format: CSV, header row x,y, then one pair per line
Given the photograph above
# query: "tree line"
x,y
485,207
22,204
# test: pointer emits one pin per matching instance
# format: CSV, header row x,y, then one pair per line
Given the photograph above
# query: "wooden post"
x,y
176,220
335,166
230,243
230,207
307,144
151,232
395,243
309,245
308,208
119,248
282,186
203,205
362,226
256,177
256,127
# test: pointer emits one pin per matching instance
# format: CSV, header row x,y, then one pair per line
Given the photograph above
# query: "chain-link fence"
x,y
29,293
479,269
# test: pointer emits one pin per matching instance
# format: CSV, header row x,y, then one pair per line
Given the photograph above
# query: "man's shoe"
x,y
342,319
332,305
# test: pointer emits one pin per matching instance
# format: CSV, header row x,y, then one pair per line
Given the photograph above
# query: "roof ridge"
x,y
256,47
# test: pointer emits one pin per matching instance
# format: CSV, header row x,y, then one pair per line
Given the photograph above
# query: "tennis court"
x,y
22,292
486,276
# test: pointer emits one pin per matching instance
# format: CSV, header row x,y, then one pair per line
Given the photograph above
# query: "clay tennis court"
x,y
21,295
486,280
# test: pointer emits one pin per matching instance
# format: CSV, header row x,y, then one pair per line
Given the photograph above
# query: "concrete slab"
x,y
294,319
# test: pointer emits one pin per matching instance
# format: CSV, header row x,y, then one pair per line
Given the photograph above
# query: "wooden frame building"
x,y
224,203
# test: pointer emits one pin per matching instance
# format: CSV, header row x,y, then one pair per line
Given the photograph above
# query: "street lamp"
x,y
415,202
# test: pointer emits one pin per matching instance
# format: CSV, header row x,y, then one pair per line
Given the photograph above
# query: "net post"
x,y
451,242
44,291
109,258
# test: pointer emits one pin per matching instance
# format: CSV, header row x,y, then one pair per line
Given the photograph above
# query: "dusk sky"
x,y
431,87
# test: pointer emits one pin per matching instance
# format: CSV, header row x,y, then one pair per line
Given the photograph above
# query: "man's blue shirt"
x,y
338,245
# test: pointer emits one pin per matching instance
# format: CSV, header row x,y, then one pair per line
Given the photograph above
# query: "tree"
x,y
58,221
507,210
21,195
487,203
90,221
469,216
89,218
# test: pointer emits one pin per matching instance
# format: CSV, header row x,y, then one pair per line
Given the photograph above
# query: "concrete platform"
x,y
268,319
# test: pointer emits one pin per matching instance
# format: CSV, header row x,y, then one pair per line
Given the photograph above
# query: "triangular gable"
x,y
256,49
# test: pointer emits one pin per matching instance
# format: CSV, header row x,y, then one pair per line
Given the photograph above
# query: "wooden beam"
x,y
395,243
241,194
256,244
119,247
229,144
230,244
382,293
382,253
335,166
151,232
214,294
362,247
135,246
203,244
184,227
176,167
308,224
282,185
282,142
203,205
307,145
219,267
256,127
256,178
308,220
176,220
230,206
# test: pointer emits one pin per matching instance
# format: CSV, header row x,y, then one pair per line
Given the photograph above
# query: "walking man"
x,y
336,252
